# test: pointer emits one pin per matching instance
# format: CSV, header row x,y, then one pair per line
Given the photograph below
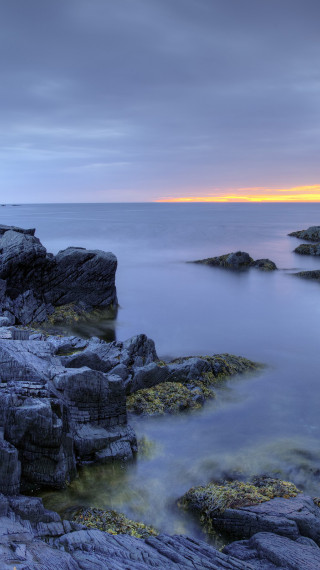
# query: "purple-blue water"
x,y
266,423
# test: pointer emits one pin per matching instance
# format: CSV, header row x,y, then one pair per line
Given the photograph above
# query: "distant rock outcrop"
x,y
308,249
34,282
238,260
311,234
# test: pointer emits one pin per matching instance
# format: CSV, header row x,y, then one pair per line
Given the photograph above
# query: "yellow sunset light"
x,y
256,194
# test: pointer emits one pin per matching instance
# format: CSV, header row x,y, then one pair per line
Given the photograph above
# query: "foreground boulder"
x,y
34,282
238,260
264,505
311,234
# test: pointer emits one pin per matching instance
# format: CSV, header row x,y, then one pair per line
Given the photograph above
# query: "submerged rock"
x,y
313,275
308,249
33,282
311,234
238,261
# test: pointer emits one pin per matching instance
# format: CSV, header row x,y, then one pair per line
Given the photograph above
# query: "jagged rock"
x,y
270,552
81,276
311,234
135,352
4,229
37,429
238,260
4,321
27,361
33,282
308,249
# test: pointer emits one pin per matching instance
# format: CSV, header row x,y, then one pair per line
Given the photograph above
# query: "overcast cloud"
x,y
132,100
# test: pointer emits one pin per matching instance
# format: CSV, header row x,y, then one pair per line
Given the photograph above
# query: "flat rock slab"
x,y
267,551
294,517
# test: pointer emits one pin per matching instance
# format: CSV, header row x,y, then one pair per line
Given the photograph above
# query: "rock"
x,y
112,522
10,469
265,505
311,234
313,275
264,265
184,383
308,249
4,321
84,277
269,551
135,352
238,261
4,229
34,282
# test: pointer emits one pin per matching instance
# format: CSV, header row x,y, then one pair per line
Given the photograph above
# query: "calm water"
x,y
269,422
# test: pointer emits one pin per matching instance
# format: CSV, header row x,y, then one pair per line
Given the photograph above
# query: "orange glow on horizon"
x,y
258,194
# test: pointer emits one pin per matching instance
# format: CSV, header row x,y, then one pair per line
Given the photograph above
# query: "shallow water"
x,y
268,422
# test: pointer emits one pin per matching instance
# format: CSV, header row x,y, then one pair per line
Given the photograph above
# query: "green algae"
x,y
167,397
112,522
213,499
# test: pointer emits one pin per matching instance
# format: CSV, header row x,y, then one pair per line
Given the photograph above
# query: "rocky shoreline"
x,y
63,402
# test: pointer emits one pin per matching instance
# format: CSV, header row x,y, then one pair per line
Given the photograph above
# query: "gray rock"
x,y
4,321
238,260
294,517
308,249
4,229
33,282
311,234
268,551
10,469
99,355
313,275
85,277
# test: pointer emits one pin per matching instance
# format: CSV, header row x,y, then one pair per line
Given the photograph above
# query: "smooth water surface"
x,y
266,423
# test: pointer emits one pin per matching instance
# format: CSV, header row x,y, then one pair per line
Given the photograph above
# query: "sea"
x,y
267,423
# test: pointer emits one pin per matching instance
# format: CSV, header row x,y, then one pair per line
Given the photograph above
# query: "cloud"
x,y
179,93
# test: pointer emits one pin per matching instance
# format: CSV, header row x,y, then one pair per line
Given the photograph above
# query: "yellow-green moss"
x,y
167,397
213,499
112,522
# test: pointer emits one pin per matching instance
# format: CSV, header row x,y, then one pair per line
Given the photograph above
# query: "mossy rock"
x,y
112,522
168,397
213,499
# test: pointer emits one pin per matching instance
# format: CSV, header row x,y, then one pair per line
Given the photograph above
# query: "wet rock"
x,y
264,264
313,275
238,260
265,505
184,383
311,234
308,249
269,551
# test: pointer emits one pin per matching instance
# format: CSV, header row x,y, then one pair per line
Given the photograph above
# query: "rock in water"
x,y
308,249
311,234
33,282
238,261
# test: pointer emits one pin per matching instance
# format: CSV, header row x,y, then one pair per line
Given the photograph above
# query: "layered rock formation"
x,y
238,260
33,282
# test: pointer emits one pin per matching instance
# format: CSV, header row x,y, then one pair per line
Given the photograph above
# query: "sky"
x,y
152,100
